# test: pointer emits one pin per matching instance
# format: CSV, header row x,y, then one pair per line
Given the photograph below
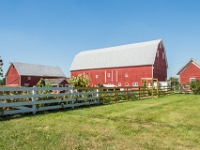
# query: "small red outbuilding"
x,y
23,74
189,72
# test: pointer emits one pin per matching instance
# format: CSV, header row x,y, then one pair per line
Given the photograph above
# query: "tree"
x,y
3,81
174,83
79,81
41,83
1,70
195,86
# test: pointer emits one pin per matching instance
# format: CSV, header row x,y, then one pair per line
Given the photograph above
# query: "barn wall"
x,y
160,66
117,75
192,71
12,77
33,80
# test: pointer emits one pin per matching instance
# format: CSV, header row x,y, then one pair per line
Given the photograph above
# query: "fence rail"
x,y
35,99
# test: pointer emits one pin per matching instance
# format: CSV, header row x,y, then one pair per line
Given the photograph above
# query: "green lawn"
x,y
170,122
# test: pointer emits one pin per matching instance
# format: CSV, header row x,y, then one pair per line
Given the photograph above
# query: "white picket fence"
x,y
32,99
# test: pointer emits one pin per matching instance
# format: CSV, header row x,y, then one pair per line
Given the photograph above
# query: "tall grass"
x,y
170,122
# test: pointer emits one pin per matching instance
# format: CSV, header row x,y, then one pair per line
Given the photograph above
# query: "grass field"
x,y
170,122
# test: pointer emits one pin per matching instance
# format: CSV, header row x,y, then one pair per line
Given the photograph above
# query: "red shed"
x,y
189,72
123,65
23,74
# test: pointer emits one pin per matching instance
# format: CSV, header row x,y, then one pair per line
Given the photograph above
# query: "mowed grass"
x,y
170,122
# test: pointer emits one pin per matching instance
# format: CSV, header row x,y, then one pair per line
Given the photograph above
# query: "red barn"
x,y
23,74
123,65
189,72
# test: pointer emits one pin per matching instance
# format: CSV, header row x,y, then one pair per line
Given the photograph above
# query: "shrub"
x,y
195,86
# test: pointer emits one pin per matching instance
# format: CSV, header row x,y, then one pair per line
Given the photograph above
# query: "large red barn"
x,y
23,74
189,72
123,65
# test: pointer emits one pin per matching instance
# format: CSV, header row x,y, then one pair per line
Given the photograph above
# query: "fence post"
x,y
115,94
34,100
72,94
127,93
139,93
98,96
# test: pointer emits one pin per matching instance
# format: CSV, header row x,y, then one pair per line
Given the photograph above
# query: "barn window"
x,y
126,83
160,45
119,84
26,84
29,78
163,55
108,74
135,84
126,75
192,79
158,53
96,76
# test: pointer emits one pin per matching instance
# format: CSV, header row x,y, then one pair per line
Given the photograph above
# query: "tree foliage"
x,y
1,70
41,83
195,86
79,81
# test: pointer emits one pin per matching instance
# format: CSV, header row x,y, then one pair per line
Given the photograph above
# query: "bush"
x,y
195,86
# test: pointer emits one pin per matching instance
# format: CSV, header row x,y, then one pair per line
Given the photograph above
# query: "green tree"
x,y
79,81
41,83
3,81
195,86
1,70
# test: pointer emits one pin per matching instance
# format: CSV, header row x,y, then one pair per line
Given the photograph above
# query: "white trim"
x,y
192,79
105,76
135,84
112,75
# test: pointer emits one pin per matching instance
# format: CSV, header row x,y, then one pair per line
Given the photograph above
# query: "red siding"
x,y
34,80
12,77
192,71
117,75
160,66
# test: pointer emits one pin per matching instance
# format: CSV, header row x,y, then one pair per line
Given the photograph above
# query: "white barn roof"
x,y
137,54
37,70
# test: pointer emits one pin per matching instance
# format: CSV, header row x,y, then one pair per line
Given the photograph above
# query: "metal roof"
x,y
137,54
187,64
37,70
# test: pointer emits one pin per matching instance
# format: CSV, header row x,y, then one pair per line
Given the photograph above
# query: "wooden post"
x,y
72,96
98,96
115,94
127,93
152,89
139,93
34,109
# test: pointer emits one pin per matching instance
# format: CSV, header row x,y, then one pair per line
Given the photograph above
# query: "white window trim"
x,y
119,83
135,84
97,76
163,55
26,84
192,79
126,84
126,75
29,78
157,53
108,74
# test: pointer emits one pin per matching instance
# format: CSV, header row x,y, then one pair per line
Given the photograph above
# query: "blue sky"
x,y
52,32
